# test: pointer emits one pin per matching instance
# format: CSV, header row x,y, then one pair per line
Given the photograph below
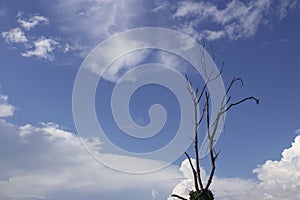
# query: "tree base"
x,y
201,195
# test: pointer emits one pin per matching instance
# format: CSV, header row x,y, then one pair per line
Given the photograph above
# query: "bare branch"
x,y
235,79
211,140
179,197
241,101
202,115
217,154
228,100
207,82
194,171
207,115
196,144
196,125
213,166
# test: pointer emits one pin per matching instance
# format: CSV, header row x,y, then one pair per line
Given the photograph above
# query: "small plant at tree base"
x,y
202,195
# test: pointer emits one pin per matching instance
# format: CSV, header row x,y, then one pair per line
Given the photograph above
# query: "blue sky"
x,y
43,44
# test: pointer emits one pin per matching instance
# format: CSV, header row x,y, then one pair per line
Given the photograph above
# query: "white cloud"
x,y
43,48
31,22
185,186
96,20
236,20
124,63
212,35
281,179
277,180
47,161
34,45
161,6
6,109
14,35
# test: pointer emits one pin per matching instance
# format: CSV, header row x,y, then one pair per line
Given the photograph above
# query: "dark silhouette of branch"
x,y
194,171
235,79
196,147
241,101
179,197
211,142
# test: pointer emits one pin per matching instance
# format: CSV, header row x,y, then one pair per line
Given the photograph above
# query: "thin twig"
x,y
241,101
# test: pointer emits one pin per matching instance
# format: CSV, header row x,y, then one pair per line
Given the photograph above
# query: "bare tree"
x,y
202,189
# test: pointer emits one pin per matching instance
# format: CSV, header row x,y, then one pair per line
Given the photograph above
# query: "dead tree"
x,y
202,189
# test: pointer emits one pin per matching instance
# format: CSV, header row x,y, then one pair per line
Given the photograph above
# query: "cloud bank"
x,y
46,161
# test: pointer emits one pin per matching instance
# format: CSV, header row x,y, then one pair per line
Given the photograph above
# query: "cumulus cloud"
x,y
44,161
6,109
14,35
48,162
32,45
31,22
43,48
277,180
185,186
281,179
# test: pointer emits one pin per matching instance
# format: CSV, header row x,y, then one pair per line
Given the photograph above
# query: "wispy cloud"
x,y
98,20
236,20
284,7
3,10
120,66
